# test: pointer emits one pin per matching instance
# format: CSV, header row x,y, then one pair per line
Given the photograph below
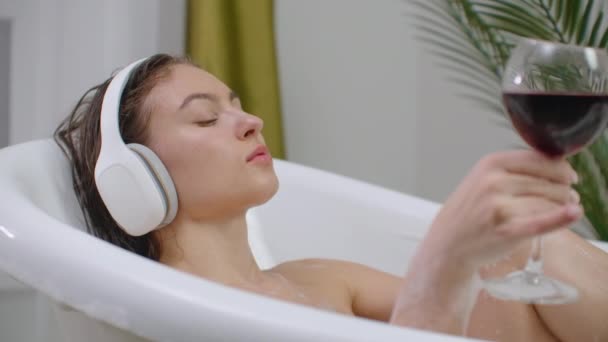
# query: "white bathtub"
x,y
74,287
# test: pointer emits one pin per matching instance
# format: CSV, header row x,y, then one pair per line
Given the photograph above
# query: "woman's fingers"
x,y
524,186
507,197
536,165
541,222
512,208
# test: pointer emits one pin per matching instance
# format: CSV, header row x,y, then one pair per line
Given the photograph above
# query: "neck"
x,y
215,249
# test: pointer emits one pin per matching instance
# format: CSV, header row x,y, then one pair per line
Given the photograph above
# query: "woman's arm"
x,y
438,295
438,301
506,199
420,305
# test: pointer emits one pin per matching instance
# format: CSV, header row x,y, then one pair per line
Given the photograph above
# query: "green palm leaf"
x,y
473,40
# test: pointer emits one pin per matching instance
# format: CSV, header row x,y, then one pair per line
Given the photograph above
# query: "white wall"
x,y
63,47
361,97
347,90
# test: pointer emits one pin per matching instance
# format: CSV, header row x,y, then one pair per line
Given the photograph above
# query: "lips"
x,y
260,151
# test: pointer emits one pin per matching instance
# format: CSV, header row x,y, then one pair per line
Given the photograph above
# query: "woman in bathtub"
x,y
215,155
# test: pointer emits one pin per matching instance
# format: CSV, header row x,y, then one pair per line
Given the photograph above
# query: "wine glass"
x,y
556,96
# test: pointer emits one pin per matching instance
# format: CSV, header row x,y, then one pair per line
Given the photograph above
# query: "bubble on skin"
x,y
283,289
585,253
498,262
282,285
470,300
305,299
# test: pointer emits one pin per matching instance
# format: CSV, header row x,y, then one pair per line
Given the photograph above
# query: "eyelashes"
x,y
206,123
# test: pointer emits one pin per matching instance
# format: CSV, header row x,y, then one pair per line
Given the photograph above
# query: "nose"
x,y
249,125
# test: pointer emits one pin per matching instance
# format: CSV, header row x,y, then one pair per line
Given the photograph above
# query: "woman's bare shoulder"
x,y
347,270
316,270
371,292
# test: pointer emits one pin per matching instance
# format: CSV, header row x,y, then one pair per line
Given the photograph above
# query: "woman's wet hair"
x,y
79,138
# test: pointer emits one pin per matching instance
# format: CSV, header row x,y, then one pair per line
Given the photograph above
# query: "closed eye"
x,y
206,123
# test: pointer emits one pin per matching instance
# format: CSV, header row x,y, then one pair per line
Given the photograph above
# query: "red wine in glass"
x,y
557,124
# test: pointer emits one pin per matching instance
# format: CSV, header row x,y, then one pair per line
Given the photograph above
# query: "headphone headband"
x,y
110,111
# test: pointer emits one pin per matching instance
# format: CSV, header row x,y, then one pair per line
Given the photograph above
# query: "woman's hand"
x,y
506,198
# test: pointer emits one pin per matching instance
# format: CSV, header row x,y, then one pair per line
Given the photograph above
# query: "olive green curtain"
x,y
234,40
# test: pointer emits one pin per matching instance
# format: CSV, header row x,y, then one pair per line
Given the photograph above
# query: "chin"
x,y
265,190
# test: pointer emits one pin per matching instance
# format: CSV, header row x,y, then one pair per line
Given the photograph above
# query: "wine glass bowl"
x,y
556,95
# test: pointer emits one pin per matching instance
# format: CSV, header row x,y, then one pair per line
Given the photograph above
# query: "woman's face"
x,y
199,130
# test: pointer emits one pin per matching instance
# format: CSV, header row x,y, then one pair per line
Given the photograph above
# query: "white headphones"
x,y
133,183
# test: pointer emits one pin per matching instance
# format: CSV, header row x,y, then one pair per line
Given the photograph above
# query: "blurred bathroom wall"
x,y
60,48
346,70
362,97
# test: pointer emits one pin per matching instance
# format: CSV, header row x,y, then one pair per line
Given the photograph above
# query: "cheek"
x,y
201,162
183,147
190,160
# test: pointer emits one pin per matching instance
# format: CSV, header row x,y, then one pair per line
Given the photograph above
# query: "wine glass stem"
x,y
535,262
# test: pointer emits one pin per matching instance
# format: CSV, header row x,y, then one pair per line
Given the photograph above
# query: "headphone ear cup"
x,y
161,177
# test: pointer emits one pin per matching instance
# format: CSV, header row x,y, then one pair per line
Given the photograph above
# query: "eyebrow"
x,y
206,96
